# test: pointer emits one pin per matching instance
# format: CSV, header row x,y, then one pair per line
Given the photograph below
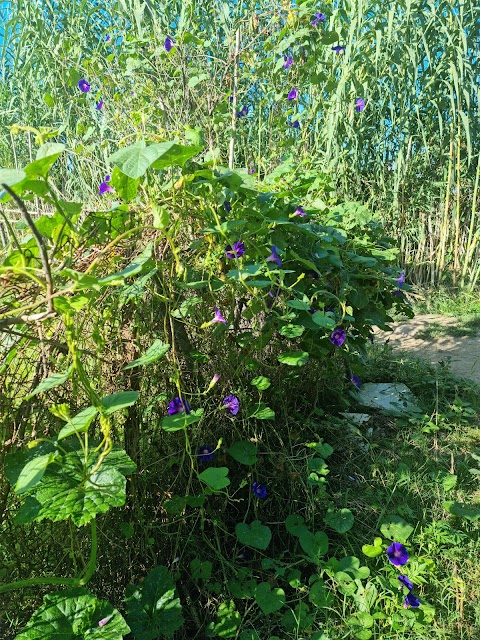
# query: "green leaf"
x,y
161,217
315,545
262,412
156,351
261,382
294,358
152,609
470,512
51,382
269,600
67,491
47,155
341,521
200,569
215,478
396,528
134,160
126,187
254,535
75,615
229,620
32,472
373,550
292,330
295,524
324,321
174,154
79,423
319,595
117,401
11,177
179,421
244,452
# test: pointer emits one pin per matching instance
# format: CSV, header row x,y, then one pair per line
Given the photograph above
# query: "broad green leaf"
x,y
294,358
228,620
134,160
373,550
79,423
156,351
125,187
319,595
51,382
200,569
302,305
65,492
244,452
179,421
171,154
47,155
315,545
396,528
215,478
75,614
292,330
254,535
152,608
32,472
136,266
341,520
262,412
261,382
11,177
269,599
117,401
161,217
470,512
323,320
295,524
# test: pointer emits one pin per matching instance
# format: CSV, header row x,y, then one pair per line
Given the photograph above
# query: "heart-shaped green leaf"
x,y
179,421
244,452
294,358
75,614
254,535
396,528
341,520
373,550
269,600
215,478
315,545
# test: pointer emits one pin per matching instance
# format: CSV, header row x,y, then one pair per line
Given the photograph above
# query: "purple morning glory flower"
x,y
274,257
359,105
259,491
411,601
397,554
288,61
299,212
243,112
338,48
235,251
205,454
104,187
295,124
251,171
318,17
218,317
400,279
227,206
292,94
83,86
178,405
406,582
357,382
168,44
338,337
231,404
99,105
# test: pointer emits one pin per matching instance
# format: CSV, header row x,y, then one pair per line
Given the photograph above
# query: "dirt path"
x,y
438,339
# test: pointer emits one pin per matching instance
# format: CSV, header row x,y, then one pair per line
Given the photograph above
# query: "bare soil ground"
x,y
438,339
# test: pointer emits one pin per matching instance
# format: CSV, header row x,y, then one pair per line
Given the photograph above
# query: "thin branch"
x,y
41,246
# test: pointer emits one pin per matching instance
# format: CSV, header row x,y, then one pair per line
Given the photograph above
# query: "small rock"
x,y
393,398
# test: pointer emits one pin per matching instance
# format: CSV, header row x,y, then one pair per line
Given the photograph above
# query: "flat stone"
x,y
389,397
356,418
